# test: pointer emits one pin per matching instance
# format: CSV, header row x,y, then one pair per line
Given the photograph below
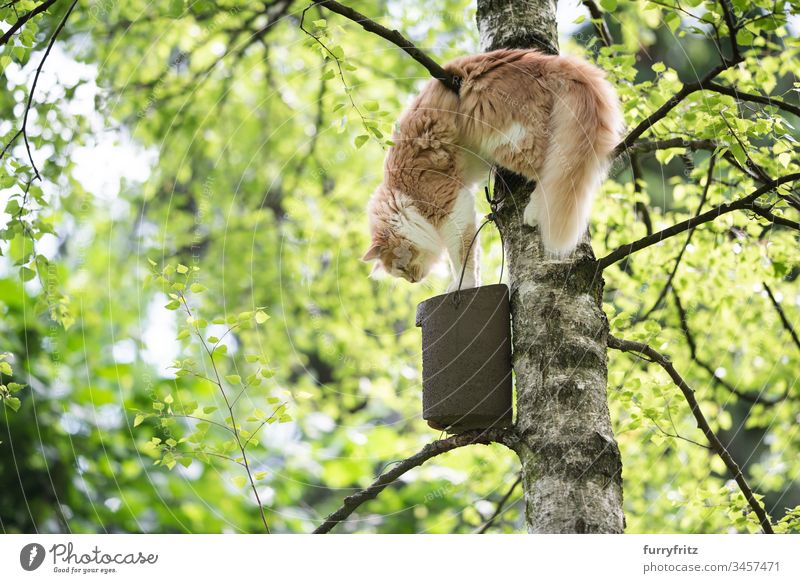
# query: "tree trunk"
x,y
571,466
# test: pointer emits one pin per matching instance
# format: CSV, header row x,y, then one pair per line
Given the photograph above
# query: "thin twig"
x,y
665,289
264,422
599,22
675,435
198,452
25,18
336,60
234,427
452,82
24,129
702,424
640,207
749,396
773,218
351,503
211,421
730,21
784,320
749,162
764,100
500,507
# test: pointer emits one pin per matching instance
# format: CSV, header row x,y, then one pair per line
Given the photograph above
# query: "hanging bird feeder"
x,y
466,359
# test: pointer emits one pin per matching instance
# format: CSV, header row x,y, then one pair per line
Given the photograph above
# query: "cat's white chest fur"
x,y
512,136
478,164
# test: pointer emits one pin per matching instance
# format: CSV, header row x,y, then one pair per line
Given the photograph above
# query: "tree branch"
x,y
452,82
784,320
756,170
24,129
749,396
702,424
665,289
727,11
671,103
351,503
652,145
23,19
773,218
744,203
600,25
733,92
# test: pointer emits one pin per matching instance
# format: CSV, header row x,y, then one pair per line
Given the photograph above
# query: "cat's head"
x,y
404,244
399,257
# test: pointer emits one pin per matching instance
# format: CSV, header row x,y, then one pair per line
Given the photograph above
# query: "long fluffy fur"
x,y
552,119
584,129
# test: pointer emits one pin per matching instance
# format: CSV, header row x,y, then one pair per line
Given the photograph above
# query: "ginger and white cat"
x,y
552,119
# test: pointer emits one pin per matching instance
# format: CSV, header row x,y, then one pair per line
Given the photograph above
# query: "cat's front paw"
x,y
529,216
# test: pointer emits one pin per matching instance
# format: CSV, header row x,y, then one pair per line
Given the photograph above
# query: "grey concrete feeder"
x,y
466,359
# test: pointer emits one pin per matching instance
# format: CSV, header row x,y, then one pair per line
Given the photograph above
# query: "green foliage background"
x,y
258,178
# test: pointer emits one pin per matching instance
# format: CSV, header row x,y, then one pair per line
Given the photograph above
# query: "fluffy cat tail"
x,y
585,127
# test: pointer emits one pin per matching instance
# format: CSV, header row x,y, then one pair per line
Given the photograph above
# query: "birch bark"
x,y
571,465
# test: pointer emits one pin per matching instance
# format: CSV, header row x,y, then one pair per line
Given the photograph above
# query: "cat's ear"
x,y
373,252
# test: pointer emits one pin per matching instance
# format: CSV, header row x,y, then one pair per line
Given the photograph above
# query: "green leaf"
x,y
239,481
175,8
27,274
234,379
12,403
261,317
672,20
609,5
361,140
138,420
182,269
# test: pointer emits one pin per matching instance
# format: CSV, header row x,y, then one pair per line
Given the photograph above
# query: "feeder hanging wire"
x,y
490,218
